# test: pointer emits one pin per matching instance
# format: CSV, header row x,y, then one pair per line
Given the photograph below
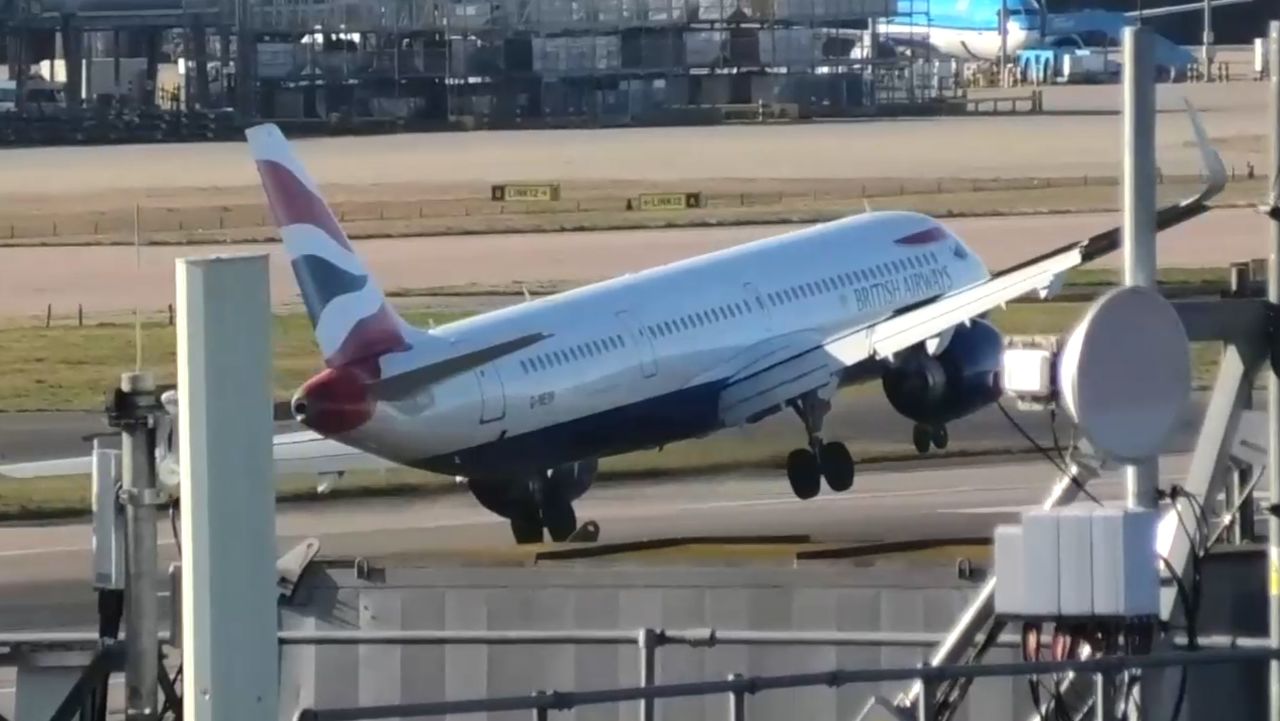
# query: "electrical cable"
x,y
1063,469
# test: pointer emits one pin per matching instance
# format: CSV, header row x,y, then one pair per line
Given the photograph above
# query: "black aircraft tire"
x,y
560,521
526,528
837,466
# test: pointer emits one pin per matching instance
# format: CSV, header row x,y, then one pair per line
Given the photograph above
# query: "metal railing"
x,y
17,647
738,687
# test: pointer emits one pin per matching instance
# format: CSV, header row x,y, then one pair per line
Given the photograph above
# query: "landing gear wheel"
x,y
922,437
526,528
560,521
804,473
837,466
940,438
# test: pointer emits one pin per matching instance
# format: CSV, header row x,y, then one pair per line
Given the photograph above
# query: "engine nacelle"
x,y
963,378
573,479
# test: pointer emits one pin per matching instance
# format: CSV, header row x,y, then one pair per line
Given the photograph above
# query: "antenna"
x,y
525,290
137,311
1125,373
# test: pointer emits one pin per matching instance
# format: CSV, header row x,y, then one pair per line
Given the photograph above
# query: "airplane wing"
x,y
300,452
791,370
915,325
1174,9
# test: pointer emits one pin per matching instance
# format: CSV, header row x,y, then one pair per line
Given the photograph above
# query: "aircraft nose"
x,y
334,401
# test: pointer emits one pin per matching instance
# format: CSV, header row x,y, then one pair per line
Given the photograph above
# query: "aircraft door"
x,y
493,397
641,342
758,304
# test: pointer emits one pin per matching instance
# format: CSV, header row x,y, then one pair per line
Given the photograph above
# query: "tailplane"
x,y
350,314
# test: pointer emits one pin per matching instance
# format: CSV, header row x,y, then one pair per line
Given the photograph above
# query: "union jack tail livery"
x,y
352,319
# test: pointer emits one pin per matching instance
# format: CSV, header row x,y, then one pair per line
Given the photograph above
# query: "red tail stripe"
x,y
292,202
372,336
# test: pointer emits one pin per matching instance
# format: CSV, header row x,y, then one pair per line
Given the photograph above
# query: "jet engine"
x,y
572,480
960,379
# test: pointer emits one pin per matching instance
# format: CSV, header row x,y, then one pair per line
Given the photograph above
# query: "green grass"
x,y
73,368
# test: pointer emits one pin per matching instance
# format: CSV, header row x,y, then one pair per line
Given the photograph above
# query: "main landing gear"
x,y
806,467
924,437
551,510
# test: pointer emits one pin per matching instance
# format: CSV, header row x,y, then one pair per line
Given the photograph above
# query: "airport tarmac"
x,y
1078,134
107,279
44,569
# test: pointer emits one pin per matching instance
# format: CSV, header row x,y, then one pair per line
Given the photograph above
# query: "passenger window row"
x,y
852,278
699,319
728,311
572,354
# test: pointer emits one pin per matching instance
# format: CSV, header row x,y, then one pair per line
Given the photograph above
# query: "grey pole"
x,y
1206,52
1139,232
1273,389
142,647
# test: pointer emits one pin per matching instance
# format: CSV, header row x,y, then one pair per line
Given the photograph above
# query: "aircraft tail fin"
x,y
348,310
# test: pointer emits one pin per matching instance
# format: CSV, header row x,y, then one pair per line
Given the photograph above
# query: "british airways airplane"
x,y
522,402
970,29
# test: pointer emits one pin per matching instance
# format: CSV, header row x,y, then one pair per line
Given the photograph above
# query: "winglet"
x,y
1178,213
1213,165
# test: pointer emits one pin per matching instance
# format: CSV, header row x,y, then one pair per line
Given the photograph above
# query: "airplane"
x,y
521,403
970,29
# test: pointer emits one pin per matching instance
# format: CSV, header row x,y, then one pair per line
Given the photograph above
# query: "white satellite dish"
x,y
1125,373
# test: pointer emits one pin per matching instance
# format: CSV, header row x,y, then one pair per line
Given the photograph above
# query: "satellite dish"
x,y
1125,373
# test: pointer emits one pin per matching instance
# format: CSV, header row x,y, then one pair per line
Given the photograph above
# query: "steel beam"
x,y
1273,387
230,657
1142,478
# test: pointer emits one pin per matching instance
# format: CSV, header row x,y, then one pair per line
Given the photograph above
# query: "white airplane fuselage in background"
x,y
970,29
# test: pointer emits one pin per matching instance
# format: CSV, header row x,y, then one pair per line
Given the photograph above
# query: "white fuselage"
x,y
965,43
638,361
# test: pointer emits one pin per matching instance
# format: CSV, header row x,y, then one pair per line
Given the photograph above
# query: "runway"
x,y
45,569
107,279
864,418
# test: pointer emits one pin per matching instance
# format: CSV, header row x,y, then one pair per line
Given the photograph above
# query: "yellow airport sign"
x,y
669,201
526,192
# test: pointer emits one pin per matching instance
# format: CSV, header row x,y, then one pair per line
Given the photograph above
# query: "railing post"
x,y
927,700
540,711
648,642
737,698
1102,700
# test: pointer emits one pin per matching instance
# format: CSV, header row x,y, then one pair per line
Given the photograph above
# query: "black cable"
x,y
1057,445
1048,456
173,525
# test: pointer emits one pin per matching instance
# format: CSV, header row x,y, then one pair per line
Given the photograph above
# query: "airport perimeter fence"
x,y
249,222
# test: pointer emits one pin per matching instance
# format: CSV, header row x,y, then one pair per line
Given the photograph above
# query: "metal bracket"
x,y
144,497
125,409
291,566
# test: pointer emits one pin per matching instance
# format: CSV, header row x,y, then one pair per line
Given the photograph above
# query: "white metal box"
x,y
1040,562
1008,567
1075,561
1126,581
1027,371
